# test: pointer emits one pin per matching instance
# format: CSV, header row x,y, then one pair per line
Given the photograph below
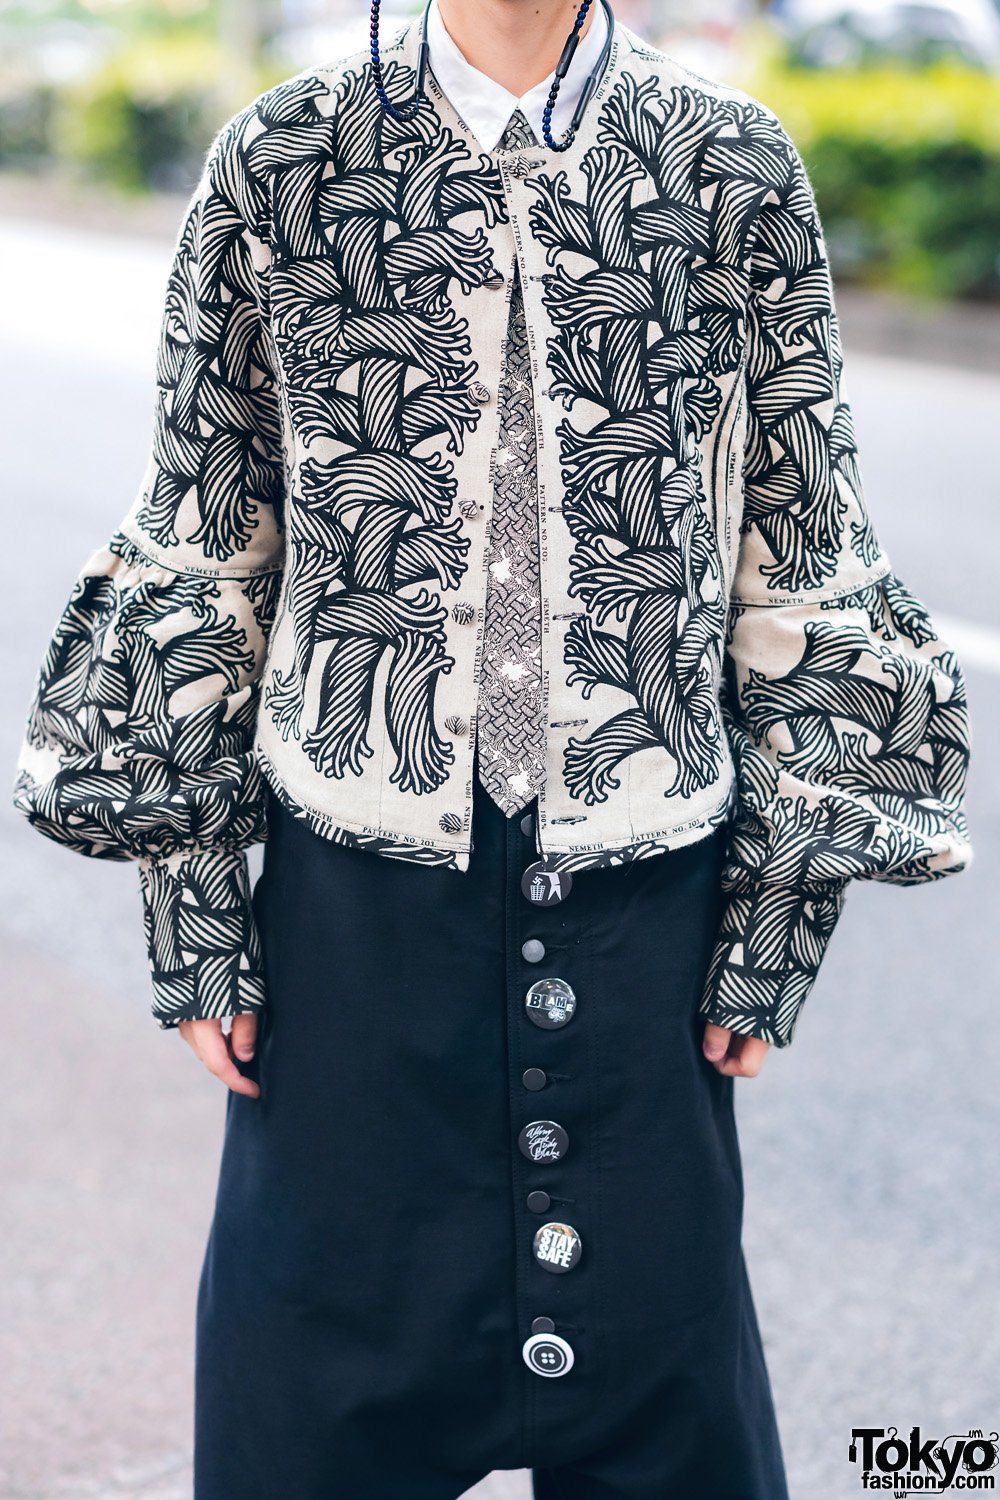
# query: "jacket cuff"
x,y
204,947
766,958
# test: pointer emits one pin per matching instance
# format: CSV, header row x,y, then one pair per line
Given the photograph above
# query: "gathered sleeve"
x,y
844,708
139,735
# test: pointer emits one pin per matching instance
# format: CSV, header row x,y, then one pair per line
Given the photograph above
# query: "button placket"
x,y
548,1004
555,1247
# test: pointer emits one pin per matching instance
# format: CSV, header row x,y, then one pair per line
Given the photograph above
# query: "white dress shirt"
x,y
486,106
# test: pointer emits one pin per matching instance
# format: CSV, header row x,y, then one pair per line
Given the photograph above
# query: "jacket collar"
x,y
405,48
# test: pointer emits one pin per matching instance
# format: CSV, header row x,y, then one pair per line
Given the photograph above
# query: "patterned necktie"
x,y
511,738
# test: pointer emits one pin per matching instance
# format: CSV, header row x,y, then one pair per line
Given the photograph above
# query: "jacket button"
x,y
538,1201
479,392
542,1325
547,1354
550,1003
556,1247
522,165
534,1079
470,509
450,823
545,887
455,725
543,1140
532,951
464,614
527,825
495,279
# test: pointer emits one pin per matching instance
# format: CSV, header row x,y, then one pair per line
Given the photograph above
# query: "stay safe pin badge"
x,y
556,1247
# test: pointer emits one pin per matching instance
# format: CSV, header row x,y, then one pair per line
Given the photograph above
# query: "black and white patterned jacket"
x,y
297,591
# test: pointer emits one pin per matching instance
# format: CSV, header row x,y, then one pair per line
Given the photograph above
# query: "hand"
x,y
217,1049
732,1054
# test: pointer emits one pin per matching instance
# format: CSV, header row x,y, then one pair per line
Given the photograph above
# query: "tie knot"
x,y
517,132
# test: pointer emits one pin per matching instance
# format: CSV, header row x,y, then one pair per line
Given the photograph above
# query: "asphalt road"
x,y
872,1195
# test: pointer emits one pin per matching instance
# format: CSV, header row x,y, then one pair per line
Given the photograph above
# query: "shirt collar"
x,y
485,105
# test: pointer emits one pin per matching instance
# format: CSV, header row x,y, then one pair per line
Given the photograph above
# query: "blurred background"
x,y
870,1146
896,104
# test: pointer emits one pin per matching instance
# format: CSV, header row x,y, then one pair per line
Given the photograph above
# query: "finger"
x,y
715,1042
234,1079
243,1035
218,1060
212,1047
194,1033
752,1054
747,1059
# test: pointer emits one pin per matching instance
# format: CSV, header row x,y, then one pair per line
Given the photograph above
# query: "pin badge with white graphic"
x,y
547,1354
550,1003
557,1247
543,1140
545,887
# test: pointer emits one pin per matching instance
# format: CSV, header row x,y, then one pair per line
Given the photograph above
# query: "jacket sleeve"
x,y
138,742
844,708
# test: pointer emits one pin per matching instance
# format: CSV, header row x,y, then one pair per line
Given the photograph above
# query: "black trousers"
x,y
370,1278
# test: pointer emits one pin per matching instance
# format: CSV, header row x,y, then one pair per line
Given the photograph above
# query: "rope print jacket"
x,y
297,590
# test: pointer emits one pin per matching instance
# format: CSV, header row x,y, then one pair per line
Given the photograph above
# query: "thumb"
x,y
243,1035
715,1043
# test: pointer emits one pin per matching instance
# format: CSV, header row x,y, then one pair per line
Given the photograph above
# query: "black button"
x,y
543,1140
538,1201
534,1079
545,887
550,1003
528,825
542,1325
556,1247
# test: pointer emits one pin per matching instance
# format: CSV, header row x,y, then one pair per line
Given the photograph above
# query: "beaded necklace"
x,y
409,107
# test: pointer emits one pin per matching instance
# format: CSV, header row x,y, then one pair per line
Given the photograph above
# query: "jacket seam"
x,y
148,551
799,601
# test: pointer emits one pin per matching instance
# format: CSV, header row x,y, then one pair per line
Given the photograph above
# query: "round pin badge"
x,y
556,1247
545,887
550,1003
543,1140
547,1354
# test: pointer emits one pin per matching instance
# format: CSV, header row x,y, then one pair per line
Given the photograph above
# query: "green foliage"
x,y
144,118
26,125
906,168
